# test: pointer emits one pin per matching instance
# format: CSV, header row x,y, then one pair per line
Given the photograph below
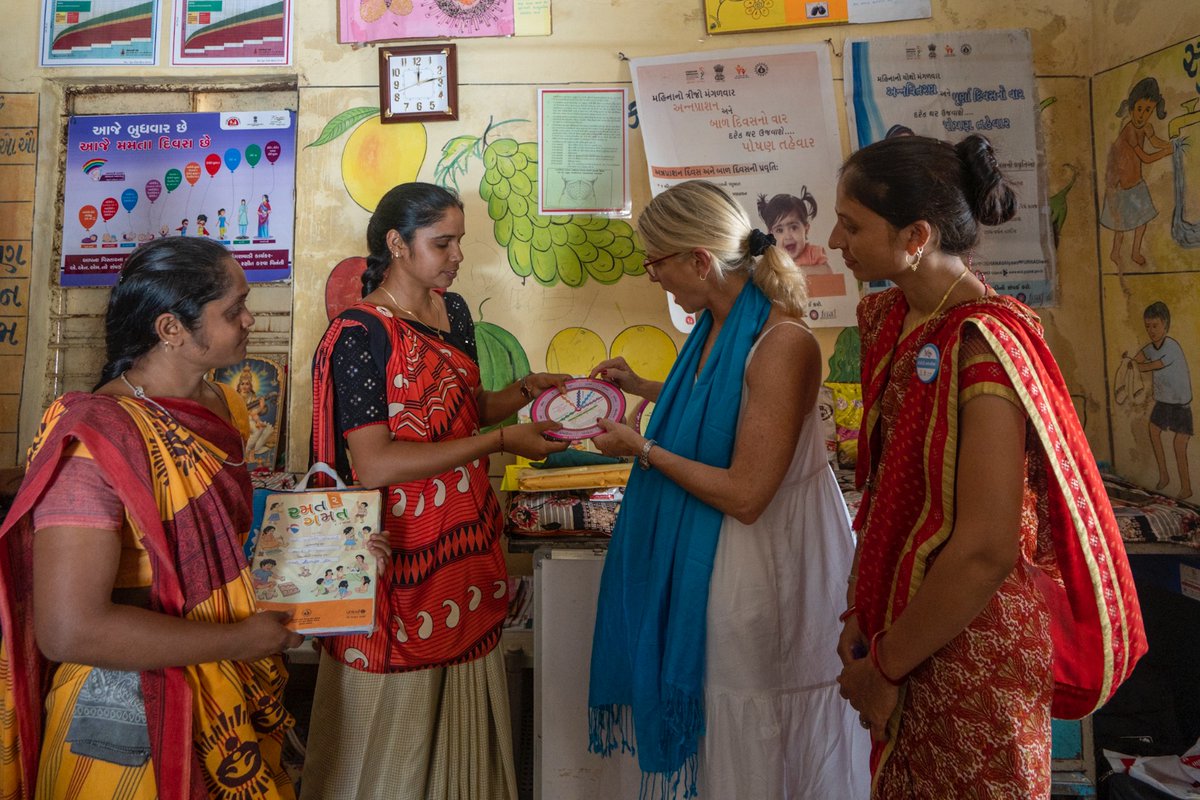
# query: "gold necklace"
x,y
938,307
411,313
140,394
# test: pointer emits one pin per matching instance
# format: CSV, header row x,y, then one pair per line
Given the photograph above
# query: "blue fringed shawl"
x,y
648,647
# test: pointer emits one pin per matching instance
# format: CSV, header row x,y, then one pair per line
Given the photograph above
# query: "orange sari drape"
x,y
215,729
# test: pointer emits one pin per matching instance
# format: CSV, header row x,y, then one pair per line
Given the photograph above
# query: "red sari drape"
x,y
445,595
908,477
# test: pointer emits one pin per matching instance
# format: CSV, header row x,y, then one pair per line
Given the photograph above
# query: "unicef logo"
x,y
927,363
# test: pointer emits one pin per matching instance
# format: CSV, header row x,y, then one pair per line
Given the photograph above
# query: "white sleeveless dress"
x,y
777,729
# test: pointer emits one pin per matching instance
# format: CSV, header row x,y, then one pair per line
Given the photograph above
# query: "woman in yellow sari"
x,y
134,663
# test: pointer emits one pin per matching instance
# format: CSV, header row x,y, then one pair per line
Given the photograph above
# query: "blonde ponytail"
x,y
781,281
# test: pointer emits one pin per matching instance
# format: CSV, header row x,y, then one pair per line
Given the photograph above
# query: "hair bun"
x,y
991,196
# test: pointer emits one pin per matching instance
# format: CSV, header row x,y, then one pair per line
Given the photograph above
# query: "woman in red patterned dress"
x,y
990,589
418,709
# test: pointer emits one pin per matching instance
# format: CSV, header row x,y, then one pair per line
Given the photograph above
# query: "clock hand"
x,y
418,83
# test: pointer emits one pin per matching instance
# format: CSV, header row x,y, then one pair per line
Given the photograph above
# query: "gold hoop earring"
x,y
913,260
704,277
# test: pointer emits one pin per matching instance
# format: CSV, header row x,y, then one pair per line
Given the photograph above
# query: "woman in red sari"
x,y
419,708
134,664
991,588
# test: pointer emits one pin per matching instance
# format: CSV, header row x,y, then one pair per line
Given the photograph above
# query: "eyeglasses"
x,y
648,264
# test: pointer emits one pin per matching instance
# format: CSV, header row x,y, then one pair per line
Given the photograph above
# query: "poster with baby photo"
x,y
260,381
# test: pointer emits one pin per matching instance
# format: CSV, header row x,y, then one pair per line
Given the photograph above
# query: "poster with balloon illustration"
x,y
130,179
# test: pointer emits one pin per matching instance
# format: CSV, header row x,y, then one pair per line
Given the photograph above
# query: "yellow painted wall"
x,y
498,79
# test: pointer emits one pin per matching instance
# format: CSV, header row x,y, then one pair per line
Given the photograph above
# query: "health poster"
x,y
762,124
231,32
99,32
130,179
950,85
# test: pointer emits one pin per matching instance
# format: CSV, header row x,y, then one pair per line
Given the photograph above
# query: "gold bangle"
x,y
526,392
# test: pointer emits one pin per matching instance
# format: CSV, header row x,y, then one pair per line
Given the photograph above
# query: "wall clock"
x,y
418,83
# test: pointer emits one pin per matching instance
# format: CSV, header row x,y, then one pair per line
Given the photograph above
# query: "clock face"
x,y
585,401
418,83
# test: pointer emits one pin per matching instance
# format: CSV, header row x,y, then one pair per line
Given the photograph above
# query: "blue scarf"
x,y
648,646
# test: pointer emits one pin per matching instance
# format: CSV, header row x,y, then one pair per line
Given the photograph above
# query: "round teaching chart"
x,y
585,401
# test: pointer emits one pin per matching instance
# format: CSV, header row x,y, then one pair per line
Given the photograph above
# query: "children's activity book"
x,y
310,557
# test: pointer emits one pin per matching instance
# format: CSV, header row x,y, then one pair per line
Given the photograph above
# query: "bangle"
x,y
501,429
874,653
848,613
853,577
526,392
644,456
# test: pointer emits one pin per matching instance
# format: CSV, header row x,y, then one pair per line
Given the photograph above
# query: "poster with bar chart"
x,y
79,33
231,32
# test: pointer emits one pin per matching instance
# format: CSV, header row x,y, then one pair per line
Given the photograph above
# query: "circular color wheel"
x,y
585,401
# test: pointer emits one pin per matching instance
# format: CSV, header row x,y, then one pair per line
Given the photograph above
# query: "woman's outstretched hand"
x,y
527,440
618,439
618,372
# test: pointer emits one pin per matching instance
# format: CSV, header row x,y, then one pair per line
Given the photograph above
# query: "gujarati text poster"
x,y
130,179
950,85
762,124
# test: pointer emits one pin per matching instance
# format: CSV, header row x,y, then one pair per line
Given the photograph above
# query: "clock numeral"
x,y
416,59
418,105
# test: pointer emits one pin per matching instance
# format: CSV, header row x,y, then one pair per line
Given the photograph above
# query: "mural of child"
x,y
222,222
788,218
343,588
360,512
1172,387
243,218
202,225
360,564
1127,202
364,587
350,542
182,229
321,589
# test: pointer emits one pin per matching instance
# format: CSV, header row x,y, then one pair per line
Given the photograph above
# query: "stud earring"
x,y
913,260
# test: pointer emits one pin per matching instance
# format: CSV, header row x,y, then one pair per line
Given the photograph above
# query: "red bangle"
x,y
848,613
874,653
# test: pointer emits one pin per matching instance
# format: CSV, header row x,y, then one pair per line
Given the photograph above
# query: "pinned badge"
x,y
928,363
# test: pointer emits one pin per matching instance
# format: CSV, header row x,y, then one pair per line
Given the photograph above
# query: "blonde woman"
x,y
721,590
